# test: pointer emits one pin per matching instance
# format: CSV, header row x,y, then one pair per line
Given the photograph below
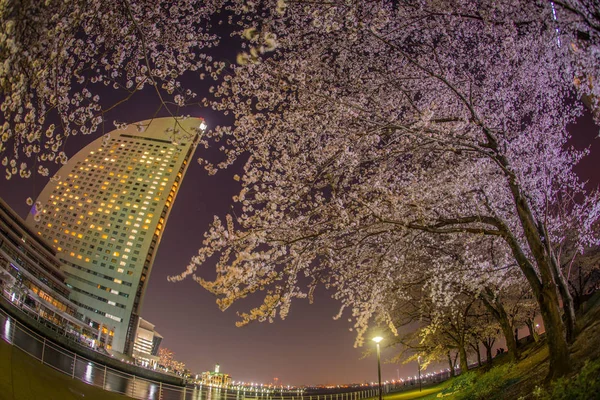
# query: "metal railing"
x,y
102,376
86,370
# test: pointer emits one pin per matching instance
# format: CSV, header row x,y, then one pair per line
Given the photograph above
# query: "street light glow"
x,y
378,339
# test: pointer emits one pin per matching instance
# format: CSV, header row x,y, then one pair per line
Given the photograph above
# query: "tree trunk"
x,y
451,363
532,331
497,310
464,364
477,350
558,349
543,285
560,363
488,352
511,343
567,299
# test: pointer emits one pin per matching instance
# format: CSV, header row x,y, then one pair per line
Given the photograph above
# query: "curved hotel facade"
x,y
105,212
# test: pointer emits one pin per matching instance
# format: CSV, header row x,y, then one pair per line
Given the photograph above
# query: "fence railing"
x,y
84,369
102,376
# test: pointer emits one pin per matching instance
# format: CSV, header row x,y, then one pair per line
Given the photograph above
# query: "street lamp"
x,y
419,365
378,339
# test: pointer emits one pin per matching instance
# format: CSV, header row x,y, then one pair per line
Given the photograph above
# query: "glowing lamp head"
x,y
203,126
377,339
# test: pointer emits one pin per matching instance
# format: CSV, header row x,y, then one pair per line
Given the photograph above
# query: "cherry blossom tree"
x,y
464,297
430,346
484,332
373,122
66,64
484,271
165,357
371,128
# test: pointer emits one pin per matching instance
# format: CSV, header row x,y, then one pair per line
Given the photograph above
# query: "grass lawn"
x,y
22,377
427,393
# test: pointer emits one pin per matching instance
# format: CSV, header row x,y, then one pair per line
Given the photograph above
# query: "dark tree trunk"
x,y
567,299
541,281
475,347
560,363
464,364
488,352
496,308
451,363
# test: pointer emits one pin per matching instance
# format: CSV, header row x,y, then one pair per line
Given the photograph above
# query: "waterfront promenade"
x,y
22,377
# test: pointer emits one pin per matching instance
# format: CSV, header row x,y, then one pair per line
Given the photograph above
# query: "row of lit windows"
x,y
98,311
96,273
110,302
50,299
93,284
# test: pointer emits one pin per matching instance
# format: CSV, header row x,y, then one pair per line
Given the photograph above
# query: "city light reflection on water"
x,y
88,373
7,327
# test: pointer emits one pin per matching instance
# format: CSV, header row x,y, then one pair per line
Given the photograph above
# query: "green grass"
x,y
427,393
22,377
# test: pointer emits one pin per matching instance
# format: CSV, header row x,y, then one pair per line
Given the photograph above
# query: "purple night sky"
x,y
309,347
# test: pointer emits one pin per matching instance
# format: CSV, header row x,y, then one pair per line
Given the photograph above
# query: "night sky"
x,y
309,347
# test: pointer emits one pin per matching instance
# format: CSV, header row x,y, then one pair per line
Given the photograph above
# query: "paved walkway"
x,y
22,377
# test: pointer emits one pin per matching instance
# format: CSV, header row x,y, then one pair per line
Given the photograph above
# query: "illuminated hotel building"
x,y
30,277
105,212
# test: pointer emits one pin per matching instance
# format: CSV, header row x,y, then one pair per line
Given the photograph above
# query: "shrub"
x,y
584,386
486,385
459,384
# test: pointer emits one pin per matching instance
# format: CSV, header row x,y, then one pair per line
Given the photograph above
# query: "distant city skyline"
x,y
309,347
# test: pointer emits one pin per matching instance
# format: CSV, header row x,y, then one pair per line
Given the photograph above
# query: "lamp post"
x,y
419,365
378,339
